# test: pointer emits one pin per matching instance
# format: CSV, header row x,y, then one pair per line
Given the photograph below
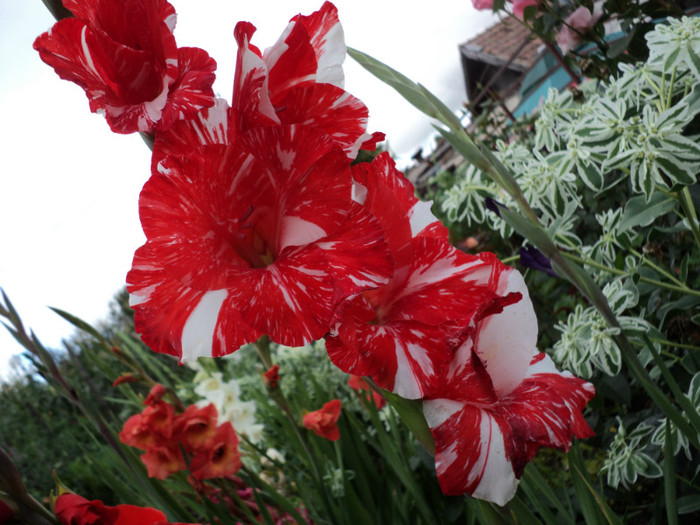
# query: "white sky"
x,y
69,187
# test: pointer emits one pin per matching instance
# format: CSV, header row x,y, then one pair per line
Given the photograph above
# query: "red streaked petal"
x,y
329,109
187,208
358,256
290,61
483,441
470,451
175,319
292,300
251,98
403,357
328,42
505,341
192,89
546,407
442,285
214,125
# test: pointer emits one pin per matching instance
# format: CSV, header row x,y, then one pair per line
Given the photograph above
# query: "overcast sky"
x,y
69,187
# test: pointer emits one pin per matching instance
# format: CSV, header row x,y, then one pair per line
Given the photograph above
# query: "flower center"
x,y
250,244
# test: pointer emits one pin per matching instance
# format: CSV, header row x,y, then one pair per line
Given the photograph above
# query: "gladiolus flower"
x,y
196,427
400,334
162,461
501,400
323,422
123,54
152,427
221,458
257,236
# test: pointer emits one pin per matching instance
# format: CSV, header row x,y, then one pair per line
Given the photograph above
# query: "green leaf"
x,y
448,117
408,89
80,324
411,413
638,212
670,476
689,504
593,506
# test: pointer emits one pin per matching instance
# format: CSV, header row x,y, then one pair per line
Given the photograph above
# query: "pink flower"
x,y
481,5
400,334
520,5
501,400
123,54
323,422
578,23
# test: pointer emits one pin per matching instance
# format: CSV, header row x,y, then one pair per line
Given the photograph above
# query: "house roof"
x,y
497,44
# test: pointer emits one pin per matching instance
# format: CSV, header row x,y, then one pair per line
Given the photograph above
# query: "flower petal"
x,y
328,42
192,89
175,319
251,98
506,340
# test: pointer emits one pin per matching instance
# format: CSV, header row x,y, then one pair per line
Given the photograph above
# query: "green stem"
x,y
264,351
657,268
690,214
590,262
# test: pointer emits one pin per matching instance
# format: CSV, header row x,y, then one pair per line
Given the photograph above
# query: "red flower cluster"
x,y
71,509
323,422
213,448
257,223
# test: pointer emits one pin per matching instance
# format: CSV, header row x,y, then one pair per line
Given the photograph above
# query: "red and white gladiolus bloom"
x,y
401,334
260,236
123,54
501,400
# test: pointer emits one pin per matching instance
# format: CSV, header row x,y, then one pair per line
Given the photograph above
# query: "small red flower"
x,y
123,54
272,377
196,428
162,461
324,421
156,394
221,458
152,427
357,383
